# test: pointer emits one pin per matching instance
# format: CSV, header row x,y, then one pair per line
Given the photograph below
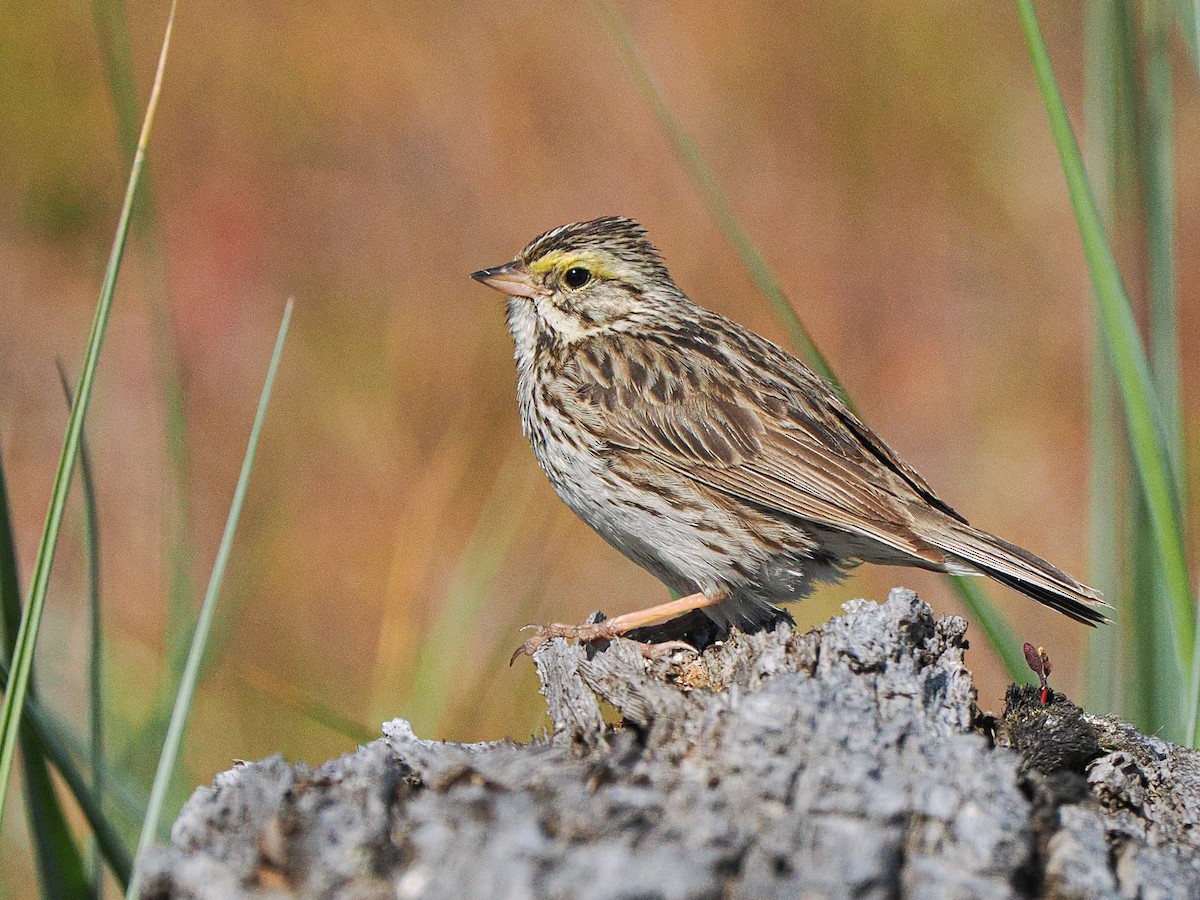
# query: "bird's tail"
x,y
1018,569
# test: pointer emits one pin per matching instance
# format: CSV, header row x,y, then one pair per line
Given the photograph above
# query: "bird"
x,y
710,456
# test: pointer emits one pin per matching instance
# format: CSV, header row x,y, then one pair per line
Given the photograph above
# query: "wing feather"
x,y
785,448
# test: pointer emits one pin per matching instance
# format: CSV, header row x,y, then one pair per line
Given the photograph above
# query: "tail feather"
x,y
1020,570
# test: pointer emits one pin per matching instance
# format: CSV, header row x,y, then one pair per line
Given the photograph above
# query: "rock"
x,y
843,762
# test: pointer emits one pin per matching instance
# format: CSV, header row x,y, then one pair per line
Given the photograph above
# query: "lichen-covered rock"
x,y
842,762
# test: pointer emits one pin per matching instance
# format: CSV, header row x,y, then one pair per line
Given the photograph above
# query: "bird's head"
x,y
584,277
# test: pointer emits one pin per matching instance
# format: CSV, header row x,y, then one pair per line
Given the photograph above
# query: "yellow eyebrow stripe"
x,y
599,264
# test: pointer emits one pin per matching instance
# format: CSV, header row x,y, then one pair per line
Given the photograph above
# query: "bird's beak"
x,y
511,278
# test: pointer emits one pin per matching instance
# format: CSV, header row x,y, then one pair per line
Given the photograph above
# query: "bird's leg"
x,y
661,613
608,629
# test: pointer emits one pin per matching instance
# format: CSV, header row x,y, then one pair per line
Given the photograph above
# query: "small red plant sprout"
x,y
1039,660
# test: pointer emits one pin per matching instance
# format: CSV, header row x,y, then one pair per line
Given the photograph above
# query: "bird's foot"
x,y
592,633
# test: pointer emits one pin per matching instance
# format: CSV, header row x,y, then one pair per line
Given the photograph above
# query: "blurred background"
x,y
891,160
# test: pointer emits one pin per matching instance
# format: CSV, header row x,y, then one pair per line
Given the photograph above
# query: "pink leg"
x,y
615,627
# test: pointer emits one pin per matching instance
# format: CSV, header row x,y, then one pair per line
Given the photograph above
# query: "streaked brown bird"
x,y
712,457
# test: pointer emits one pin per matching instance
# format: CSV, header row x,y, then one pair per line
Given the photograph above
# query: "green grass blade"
x,y
1141,406
1103,664
125,803
191,672
443,651
11,714
22,662
91,539
10,582
1107,470
1158,176
1188,16
1191,30
1157,681
973,597
111,28
51,743
1155,158
60,866
718,204
995,627
46,733
302,702
113,36
1109,689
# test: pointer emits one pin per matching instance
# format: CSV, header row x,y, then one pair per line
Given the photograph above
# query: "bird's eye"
x,y
577,277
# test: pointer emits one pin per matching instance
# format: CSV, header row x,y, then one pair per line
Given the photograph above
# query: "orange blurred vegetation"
x,y
891,160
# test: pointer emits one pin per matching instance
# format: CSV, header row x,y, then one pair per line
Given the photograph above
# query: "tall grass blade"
x,y
722,212
111,28
1141,405
466,710
51,743
995,626
22,662
1188,14
91,540
443,652
1103,664
191,672
416,551
1158,177
1107,470
125,797
1154,149
57,862
1158,174
302,702
718,204
60,866
113,35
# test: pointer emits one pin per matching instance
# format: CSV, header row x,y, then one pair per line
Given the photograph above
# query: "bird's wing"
x,y
774,443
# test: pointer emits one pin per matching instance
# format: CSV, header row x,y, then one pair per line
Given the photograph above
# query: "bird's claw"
x,y
543,633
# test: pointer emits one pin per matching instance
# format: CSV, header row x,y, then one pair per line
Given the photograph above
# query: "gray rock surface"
x,y
849,761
